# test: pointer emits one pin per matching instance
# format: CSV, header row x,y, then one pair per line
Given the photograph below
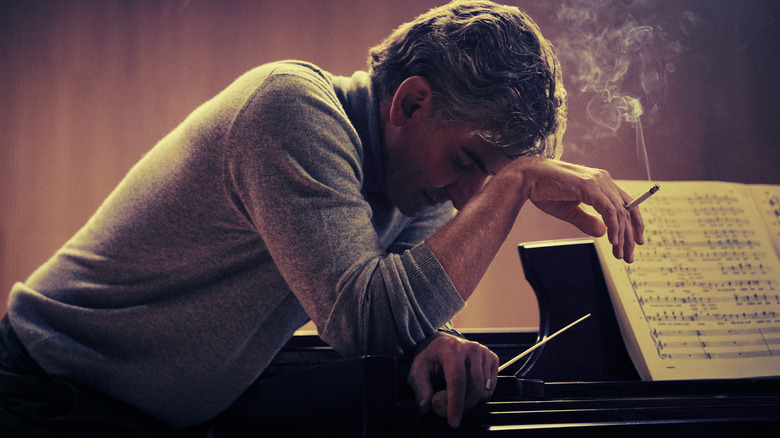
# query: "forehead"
x,y
486,155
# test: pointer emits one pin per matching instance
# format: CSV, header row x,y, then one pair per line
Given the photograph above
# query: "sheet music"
x,y
767,200
702,299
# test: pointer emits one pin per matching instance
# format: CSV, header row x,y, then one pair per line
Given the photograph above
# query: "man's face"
x,y
427,164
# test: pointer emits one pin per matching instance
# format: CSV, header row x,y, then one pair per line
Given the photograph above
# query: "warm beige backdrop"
x,y
88,86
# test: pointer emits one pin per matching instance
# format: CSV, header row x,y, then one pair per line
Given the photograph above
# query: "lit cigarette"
x,y
642,198
539,344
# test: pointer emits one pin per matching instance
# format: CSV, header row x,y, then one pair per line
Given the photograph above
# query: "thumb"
x,y
587,223
573,213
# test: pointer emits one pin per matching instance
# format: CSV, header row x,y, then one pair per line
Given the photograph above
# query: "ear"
x,y
413,93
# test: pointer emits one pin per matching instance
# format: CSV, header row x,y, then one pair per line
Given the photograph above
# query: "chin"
x,y
405,204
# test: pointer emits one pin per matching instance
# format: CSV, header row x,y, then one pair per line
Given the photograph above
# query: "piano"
x,y
583,383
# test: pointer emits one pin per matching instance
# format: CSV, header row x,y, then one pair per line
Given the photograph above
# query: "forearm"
x,y
466,246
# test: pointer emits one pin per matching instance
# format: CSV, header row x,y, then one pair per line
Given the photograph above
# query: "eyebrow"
x,y
477,160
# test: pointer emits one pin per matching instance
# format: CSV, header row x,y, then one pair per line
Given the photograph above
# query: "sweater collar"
x,y
362,107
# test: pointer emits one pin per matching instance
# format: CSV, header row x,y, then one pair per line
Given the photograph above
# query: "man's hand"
x,y
557,188
462,365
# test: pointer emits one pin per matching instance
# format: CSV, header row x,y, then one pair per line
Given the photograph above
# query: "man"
x,y
295,195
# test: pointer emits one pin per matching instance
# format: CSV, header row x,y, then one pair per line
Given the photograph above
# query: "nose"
x,y
465,187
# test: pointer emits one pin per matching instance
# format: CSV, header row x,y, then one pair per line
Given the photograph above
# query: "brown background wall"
x,y
88,86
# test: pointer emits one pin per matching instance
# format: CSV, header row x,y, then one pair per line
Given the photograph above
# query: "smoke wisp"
x,y
620,53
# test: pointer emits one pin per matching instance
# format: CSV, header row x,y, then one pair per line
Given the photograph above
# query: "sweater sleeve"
x,y
295,171
423,226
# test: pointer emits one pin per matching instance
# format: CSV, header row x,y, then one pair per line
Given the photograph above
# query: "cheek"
x,y
418,171
434,168
420,164
405,180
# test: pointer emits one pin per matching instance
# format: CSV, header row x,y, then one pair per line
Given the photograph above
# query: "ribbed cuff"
x,y
434,291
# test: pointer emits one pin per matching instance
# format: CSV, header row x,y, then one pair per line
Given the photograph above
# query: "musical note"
x,y
723,286
673,316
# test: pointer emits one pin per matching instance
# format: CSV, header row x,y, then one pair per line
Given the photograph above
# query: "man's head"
x,y
488,66
464,89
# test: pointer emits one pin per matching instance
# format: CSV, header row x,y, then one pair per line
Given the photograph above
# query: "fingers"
x,y
489,372
493,372
634,231
624,247
466,367
634,234
615,215
625,228
457,384
467,381
638,225
577,216
420,382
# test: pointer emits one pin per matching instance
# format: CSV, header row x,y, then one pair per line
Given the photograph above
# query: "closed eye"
x,y
464,165
476,160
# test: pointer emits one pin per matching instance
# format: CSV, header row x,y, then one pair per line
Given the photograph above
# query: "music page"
x,y
767,201
702,298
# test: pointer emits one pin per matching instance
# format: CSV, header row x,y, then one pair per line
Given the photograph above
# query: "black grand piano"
x,y
581,384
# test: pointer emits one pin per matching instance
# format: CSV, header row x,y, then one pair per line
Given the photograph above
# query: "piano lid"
x,y
568,282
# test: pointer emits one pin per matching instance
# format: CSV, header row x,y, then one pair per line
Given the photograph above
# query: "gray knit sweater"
x,y
262,210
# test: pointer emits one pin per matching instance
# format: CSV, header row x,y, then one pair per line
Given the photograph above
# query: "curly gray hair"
x,y
489,66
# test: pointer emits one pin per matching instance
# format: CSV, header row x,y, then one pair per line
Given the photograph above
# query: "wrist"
x,y
522,172
513,181
425,342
